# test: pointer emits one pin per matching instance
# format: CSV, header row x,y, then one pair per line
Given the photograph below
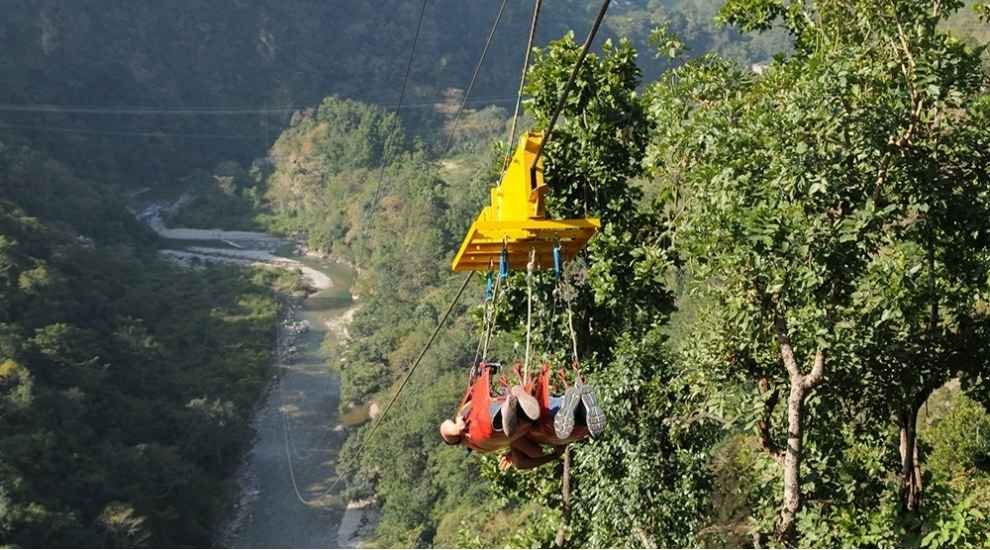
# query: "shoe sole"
x,y
563,422
530,407
509,415
593,413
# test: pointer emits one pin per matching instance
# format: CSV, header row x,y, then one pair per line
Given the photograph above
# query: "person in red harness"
x,y
547,420
487,424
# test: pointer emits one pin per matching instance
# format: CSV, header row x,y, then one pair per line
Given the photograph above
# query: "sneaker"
x,y
563,422
530,407
508,411
593,414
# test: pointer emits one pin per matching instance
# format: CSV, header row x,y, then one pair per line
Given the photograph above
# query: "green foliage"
x,y
756,170
322,182
644,480
827,205
958,520
322,163
959,439
956,509
693,27
226,198
843,189
126,384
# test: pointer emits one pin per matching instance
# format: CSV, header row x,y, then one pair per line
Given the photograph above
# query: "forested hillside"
x,y
126,383
785,313
142,93
767,271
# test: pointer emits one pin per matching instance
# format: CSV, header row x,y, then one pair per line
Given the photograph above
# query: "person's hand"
x,y
505,462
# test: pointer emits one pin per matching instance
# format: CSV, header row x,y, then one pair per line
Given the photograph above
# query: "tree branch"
x,y
786,350
644,538
814,378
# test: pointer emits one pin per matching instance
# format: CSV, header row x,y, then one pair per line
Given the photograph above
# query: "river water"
x,y
287,483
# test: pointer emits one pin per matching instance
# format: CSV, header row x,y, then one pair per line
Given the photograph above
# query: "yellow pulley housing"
x,y
515,220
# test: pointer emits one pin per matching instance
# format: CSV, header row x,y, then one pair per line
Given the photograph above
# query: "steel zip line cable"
x,y
474,77
381,417
537,4
460,108
179,135
402,95
139,110
405,379
49,108
467,279
570,82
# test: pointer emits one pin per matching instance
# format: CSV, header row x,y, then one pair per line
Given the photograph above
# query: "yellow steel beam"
x,y
515,221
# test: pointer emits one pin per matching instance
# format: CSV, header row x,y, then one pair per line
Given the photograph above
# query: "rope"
x,y
570,82
292,471
402,95
484,331
522,81
489,325
529,310
570,325
286,434
491,328
477,69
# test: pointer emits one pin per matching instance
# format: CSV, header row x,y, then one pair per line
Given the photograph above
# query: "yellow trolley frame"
x,y
515,220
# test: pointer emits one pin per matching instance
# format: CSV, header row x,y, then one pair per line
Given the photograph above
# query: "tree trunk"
x,y
801,385
792,462
911,482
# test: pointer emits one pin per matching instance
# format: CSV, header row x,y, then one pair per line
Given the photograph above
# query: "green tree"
x,y
640,483
787,191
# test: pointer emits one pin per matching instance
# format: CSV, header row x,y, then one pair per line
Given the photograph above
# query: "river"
x,y
285,488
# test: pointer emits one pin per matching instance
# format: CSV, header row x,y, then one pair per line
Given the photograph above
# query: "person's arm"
x,y
516,457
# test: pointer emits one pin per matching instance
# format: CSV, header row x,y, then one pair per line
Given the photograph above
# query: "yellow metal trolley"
x,y
515,221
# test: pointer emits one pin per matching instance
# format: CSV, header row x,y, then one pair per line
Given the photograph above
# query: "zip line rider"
x,y
524,420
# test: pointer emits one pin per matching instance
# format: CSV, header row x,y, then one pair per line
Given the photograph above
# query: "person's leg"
x,y
563,421
528,403
495,413
508,414
594,416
